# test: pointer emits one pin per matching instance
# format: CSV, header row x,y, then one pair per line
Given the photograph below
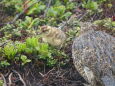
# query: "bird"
x,y
93,54
52,35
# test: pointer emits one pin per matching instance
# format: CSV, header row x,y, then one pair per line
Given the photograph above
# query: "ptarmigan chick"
x,y
52,35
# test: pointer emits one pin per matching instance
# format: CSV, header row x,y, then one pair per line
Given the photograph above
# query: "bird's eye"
x,y
44,30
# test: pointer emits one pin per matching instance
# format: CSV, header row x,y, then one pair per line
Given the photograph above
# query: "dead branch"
x,y
43,75
49,3
21,79
83,16
73,17
4,84
68,21
9,78
1,45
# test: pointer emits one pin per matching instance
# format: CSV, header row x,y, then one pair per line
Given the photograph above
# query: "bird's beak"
x,y
39,33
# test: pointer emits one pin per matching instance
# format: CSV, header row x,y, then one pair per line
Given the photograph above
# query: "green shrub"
x,y
70,5
92,5
107,22
20,47
37,8
18,5
32,42
28,23
46,54
10,51
56,11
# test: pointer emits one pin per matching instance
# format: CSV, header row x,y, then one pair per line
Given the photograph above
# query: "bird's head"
x,y
44,29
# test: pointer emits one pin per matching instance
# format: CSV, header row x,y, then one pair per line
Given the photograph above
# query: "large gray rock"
x,y
93,53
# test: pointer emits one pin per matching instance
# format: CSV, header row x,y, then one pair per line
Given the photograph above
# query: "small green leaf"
x,y
113,23
20,47
28,60
1,83
70,5
66,15
28,50
4,63
24,59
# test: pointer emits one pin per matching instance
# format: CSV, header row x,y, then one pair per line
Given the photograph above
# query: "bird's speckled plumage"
x,y
53,35
94,57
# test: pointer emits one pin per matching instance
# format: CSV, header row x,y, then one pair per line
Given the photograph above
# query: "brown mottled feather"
x,y
94,57
53,35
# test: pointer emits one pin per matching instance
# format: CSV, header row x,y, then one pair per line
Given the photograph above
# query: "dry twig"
x,y
49,3
43,75
1,45
20,78
9,78
4,84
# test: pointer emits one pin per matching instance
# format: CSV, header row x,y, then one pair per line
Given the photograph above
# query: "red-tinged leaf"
x,y
113,18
